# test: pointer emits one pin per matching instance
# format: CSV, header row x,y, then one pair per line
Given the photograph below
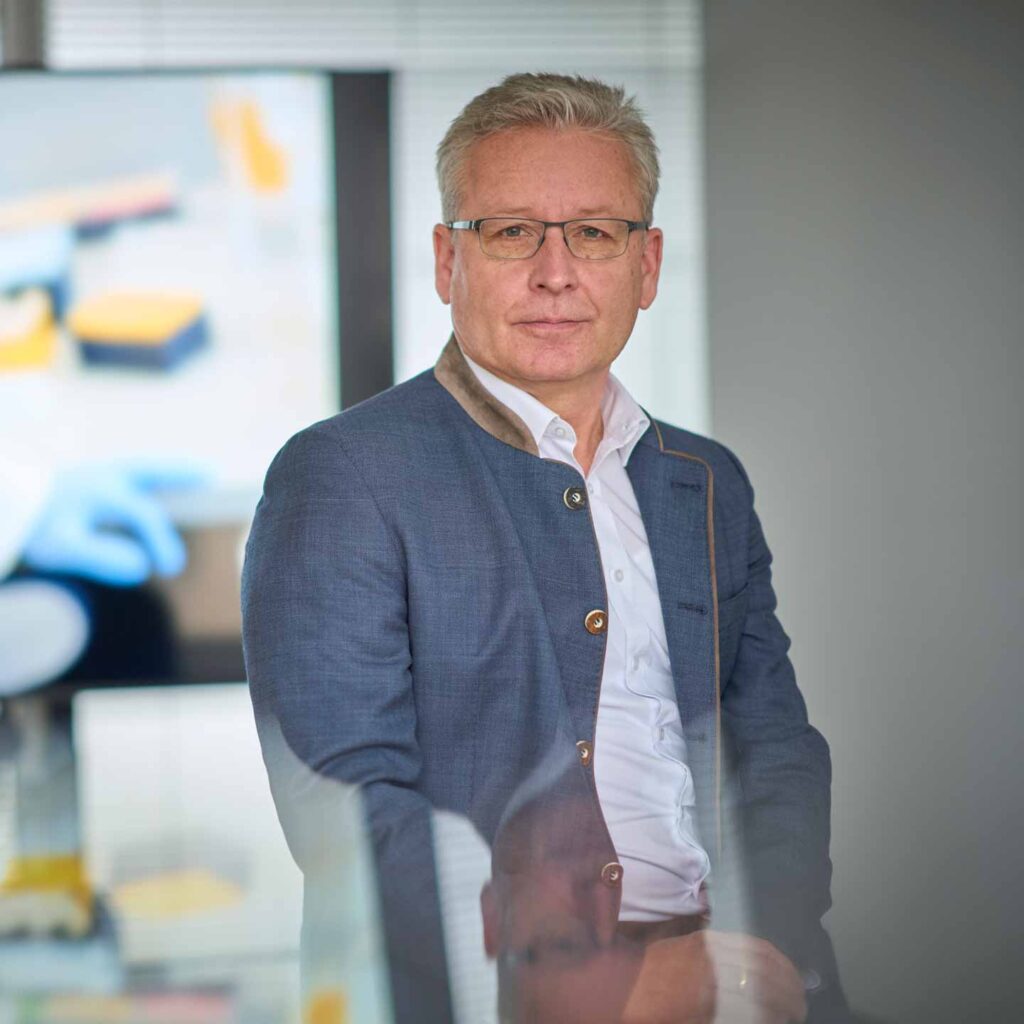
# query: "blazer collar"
x,y
456,376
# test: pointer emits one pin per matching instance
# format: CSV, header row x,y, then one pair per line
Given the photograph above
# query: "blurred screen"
x,y
167,270
168,297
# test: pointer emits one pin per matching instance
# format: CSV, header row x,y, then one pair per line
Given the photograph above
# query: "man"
x,y
505,561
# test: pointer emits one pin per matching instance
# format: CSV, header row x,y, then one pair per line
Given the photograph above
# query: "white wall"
x,y
866,323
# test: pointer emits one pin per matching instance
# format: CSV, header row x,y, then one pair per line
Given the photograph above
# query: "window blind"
x,y
396,34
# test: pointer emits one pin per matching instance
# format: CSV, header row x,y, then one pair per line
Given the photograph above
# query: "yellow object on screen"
x,y
326,1006
134,318
28,334
265,162
176,894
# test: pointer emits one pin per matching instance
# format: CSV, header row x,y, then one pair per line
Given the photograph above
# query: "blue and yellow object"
x,y
86,210
28,333
103,207
147,329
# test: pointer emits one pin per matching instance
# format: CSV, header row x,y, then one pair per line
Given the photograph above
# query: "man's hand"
x,y
715,976
754,982
676,983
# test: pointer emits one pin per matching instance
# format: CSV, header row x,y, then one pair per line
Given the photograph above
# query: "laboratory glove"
x,y
103,523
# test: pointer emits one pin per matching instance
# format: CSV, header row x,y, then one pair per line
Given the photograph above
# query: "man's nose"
x,y
553,267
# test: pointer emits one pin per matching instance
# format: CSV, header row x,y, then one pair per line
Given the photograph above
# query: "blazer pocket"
x,y
732,614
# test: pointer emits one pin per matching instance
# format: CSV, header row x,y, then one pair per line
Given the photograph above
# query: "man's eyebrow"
x,y
525,211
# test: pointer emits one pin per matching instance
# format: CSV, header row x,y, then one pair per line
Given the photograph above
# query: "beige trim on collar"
x,y
454,374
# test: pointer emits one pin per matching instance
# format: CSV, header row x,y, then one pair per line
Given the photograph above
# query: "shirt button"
x,y
619,575
575,498
586,752
596,622
611,875
559,431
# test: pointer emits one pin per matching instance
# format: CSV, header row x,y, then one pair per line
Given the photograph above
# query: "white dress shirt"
x,y
643,782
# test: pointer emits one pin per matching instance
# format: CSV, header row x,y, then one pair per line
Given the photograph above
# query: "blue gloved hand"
x,y
102,523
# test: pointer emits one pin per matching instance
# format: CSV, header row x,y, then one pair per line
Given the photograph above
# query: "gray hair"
x,y
548,101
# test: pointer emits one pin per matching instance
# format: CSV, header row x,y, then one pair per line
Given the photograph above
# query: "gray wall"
x,y
865,191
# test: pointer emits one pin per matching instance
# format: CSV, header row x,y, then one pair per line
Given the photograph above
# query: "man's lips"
x,y
550,324
551,320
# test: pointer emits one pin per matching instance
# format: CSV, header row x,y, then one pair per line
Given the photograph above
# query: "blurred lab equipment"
x,y
100,523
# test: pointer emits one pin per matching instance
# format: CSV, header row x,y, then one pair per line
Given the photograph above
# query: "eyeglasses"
x,y
512,238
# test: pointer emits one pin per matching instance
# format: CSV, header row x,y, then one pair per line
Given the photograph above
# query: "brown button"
x,y
596,622
611,874
586,749
575,498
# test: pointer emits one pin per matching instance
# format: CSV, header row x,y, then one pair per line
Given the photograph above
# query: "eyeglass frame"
x,y
474,225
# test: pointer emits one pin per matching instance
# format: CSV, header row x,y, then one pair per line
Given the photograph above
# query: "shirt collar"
x,y
624,421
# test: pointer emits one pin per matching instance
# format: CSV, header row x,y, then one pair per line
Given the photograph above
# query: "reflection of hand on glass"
x,y
563,956
715,976
548,918
103,523
703,978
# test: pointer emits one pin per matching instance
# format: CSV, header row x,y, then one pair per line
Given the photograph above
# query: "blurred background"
x,y
215,228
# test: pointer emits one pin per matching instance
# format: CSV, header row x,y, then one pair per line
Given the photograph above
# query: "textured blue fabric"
x,y
414,597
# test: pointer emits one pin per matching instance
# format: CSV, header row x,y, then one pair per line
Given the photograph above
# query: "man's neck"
x,y
579,404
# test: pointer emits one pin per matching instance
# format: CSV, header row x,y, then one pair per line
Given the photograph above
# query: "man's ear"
x,y
489,911
444,257
650,265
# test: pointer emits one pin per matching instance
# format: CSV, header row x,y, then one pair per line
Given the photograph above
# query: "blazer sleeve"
x,y
328,661
783,768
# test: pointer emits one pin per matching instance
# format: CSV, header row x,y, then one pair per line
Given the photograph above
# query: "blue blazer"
x,y
414,598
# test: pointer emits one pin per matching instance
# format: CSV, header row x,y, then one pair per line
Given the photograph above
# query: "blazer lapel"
x,y
674,492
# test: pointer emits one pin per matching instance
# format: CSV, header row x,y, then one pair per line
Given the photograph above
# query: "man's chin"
x,y
555,359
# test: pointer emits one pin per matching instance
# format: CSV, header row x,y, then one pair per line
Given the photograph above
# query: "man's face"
x,y
550,921
552,319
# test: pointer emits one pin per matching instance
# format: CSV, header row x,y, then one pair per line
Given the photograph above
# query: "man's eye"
x,y
590,232
503,231
510,231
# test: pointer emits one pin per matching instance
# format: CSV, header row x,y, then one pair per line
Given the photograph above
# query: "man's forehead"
x,y
541,172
